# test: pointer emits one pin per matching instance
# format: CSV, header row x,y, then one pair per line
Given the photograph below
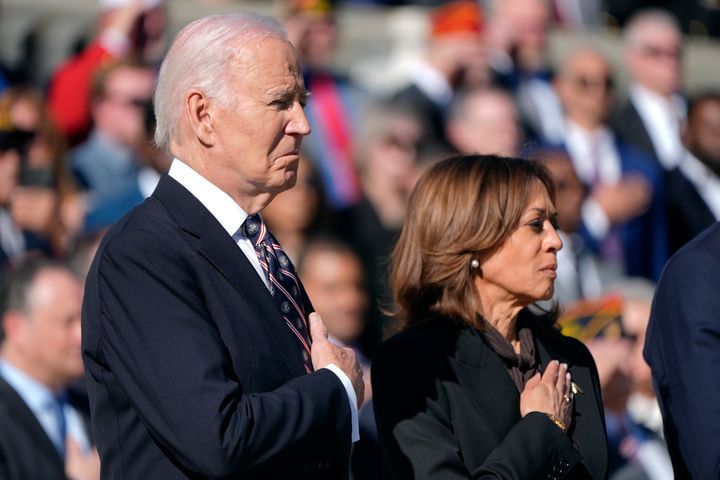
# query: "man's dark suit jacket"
x,y
26,451
630,130
682,347
446,408
688,214
429,114
191,369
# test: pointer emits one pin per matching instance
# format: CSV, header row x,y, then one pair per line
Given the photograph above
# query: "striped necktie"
x,y
282,282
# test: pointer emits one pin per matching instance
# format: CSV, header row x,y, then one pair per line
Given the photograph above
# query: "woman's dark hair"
x,y
463,208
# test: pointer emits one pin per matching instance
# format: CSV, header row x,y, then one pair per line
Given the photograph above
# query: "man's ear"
x,y
12,325
200,112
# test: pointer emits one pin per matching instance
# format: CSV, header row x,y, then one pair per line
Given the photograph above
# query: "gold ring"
x,y
566,397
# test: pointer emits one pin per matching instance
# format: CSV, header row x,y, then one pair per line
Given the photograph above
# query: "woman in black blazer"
x,y
478,385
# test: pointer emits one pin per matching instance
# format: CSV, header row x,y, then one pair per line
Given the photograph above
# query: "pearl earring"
x,y
474,263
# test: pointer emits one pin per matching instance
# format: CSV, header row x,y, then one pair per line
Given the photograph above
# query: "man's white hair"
x,y
200,57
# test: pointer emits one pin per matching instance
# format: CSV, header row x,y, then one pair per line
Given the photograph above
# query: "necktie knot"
x,y
254,229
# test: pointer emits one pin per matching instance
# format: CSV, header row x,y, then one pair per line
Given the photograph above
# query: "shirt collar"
x,y
230,215
674,105
36,395
432,83
576,131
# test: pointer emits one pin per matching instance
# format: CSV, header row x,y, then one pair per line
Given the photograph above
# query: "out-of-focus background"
x,y
619,99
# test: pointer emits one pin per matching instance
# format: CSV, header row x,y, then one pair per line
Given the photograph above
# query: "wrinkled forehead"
x,y
269,57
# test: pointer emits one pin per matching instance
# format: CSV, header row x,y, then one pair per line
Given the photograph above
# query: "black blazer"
x,y
26,451
682,347
191,369
688,214
630,130
446,408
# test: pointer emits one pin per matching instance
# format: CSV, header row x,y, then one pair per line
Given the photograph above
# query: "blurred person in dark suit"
x,y
580,273
202,353
683,350
44,434
455,59
335,281
693,188
389,163
517,34
478,385
651,118
623,215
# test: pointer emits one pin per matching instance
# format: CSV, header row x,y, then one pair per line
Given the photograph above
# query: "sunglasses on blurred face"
x,y
657,53
140,103
587,83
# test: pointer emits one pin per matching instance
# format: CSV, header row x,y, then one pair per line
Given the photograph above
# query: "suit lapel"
x,y
485,379
222,253
21,413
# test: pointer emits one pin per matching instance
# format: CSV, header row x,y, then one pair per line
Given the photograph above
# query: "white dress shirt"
x,y
41,401
432,83
596,160
594,154
661,118
231,217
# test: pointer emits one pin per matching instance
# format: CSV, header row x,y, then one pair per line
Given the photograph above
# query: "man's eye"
x,y
281,103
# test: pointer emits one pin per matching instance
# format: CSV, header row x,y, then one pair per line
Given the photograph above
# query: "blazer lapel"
x,y
484,377
18,410
222,253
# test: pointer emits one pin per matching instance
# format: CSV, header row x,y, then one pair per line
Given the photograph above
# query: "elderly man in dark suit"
x,y
682,347
43,430
202,357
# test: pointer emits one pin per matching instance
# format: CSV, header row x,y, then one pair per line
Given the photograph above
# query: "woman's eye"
x,y
536,224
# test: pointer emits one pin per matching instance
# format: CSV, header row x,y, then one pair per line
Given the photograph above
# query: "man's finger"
x,y
318,330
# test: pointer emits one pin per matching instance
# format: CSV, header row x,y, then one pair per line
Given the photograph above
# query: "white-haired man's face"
x,y
259,135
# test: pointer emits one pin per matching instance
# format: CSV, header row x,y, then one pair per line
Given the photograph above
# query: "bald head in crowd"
x,y
485,121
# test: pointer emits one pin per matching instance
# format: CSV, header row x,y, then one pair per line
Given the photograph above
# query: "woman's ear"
x,y
200,112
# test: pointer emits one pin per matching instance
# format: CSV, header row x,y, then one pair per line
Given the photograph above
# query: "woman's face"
x,y
523,270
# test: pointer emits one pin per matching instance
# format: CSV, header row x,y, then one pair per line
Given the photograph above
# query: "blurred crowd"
x,y
637,176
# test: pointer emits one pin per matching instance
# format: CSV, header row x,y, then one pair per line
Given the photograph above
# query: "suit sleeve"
x,y
160,344
683,350
416,431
